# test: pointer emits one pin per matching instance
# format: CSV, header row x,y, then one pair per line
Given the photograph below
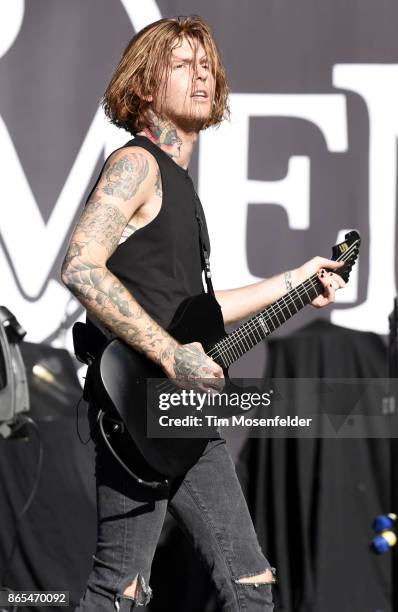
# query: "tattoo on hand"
x,y
188,361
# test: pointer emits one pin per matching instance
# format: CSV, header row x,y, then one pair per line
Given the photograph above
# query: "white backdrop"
x,y
310,150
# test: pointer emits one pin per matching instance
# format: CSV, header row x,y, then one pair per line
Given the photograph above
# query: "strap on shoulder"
x,y
204,254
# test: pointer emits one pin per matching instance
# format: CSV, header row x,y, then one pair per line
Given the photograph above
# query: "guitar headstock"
x,y
347,251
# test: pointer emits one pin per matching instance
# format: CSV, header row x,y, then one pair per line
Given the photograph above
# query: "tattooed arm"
x,y
129,179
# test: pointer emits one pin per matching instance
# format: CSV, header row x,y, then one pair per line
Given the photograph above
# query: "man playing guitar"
x,y
133,257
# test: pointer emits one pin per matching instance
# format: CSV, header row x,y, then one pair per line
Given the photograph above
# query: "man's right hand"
x,y
189,366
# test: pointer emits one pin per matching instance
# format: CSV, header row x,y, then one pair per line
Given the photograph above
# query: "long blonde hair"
x,y
144,63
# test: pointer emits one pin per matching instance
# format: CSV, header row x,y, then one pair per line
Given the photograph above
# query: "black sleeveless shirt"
x,y
160,263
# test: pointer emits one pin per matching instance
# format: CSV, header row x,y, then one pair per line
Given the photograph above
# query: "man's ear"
x,y
147,98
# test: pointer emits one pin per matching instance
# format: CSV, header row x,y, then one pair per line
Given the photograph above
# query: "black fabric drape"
x,y
313,500
57,534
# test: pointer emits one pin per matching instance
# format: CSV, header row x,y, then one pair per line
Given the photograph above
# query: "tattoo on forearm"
x,y
117,295
125,175
102,294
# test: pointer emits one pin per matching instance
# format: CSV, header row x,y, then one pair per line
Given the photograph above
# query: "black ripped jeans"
x,y
208,504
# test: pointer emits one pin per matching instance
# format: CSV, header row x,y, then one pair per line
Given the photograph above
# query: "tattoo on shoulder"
x,y
158,184
124,176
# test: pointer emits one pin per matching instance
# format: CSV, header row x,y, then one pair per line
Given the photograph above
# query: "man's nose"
x,y
200,73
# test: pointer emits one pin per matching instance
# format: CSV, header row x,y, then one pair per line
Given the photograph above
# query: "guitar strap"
x,y
204,254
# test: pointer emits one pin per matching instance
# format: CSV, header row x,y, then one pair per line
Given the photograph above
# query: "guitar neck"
x,y
230,348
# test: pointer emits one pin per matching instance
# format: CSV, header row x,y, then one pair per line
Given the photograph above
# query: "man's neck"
x,y
172,140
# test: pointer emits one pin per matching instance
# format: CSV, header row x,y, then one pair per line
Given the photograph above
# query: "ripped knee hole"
x,y
266,577
138,591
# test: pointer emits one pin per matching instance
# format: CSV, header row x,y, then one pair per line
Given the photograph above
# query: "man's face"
x,y
187,96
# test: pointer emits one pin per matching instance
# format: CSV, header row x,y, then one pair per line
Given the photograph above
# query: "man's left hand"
x,y
324,269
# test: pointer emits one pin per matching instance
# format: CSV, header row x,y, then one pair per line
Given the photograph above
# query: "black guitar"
x,y
119,373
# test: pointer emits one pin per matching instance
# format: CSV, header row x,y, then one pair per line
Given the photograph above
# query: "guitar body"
x,y
120,374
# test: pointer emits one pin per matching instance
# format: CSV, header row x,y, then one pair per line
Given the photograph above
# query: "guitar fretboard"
x,y
246,336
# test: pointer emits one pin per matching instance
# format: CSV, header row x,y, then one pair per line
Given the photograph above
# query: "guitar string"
x,y
246,330
251,327
287,301
249,334
227,344
222,348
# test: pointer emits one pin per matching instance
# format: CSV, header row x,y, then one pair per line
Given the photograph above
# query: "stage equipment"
x,y
386,538
14,404
52,457
384,522
14,395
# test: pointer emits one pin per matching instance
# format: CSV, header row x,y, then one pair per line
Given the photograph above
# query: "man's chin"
x,y
190,123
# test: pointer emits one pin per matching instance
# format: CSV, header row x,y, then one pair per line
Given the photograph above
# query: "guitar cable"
x,y
153,484
84,442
